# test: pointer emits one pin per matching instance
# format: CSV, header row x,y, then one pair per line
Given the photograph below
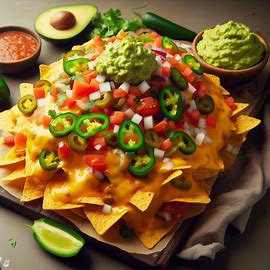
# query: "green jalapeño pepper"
x,y
72,67
43,83
76,142
4,91
193,63
178,79
48,160
167,43
72,54
171,103
27,104
130,136
152,139
105,101
141,164
184,142
205,105
90,124
181,183
62,124
111,139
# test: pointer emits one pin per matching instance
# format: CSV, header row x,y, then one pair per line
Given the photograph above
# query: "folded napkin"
x,y
234,195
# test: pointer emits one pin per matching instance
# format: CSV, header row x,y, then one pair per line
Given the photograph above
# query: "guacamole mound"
x,y
126,60
230,46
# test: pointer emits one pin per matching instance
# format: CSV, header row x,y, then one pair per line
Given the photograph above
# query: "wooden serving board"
x,y
33,210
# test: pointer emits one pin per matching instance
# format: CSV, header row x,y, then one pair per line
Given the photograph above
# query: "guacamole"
x,y
126,60
230,46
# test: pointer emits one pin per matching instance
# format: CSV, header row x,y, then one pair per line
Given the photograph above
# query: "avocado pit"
x,y
63,20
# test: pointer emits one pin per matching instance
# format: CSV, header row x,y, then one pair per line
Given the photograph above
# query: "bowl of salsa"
x,y
19,49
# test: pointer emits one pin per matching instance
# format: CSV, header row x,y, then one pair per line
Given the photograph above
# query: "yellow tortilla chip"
x,y
91,200
44,71
16,174
11,157
172,176
142,199
26,89
239,107
79,212
6,123
103,222
203,173
245,123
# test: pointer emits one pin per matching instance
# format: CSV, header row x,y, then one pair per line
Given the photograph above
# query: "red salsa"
x,y
15,45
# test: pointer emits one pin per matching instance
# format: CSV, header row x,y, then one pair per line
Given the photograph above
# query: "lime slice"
x,y
56,238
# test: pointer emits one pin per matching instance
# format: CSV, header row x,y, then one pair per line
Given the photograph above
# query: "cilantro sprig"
x,y
111,23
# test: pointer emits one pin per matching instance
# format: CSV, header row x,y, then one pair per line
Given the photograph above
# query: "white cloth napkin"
x,y
234,197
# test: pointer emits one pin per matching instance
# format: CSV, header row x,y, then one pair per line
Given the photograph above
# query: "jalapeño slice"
x,y
72,67
181,183
171,103
178,79
184,142
72,54
90,124
193,63
142,163
48,160
205,105
111,139
43,83
152,139
130,136
76,142
27,104
62,124
167,43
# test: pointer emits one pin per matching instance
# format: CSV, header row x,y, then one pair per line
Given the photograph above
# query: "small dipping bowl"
x,y
232,78
16,66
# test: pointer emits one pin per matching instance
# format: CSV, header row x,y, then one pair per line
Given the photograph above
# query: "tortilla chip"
x,y
79,212
142,199
11,158
239,107
16,174
228,159
245,123
103,222
91,200
203,173
172,176
44,71
26,89
6,123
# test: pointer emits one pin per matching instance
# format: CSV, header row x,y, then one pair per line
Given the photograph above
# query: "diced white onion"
x,y
91,64
60,144
177,57
136,118
129,113
168,166
107,208
166,159
90,170
112,85
97,147
100,78
143,87
125,86
202,123
164,215
229,148
191,88
69,93
199,138
41,102
105,87
158,59
184,96
95,95
81,104
208,140
159,153
192,104
148,122
116,129
98,174
185,46
166,64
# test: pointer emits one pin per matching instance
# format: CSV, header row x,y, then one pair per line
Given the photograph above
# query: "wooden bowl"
x,y
25,63
232,78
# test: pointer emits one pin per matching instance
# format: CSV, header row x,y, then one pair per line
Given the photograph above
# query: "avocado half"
x,y
83,14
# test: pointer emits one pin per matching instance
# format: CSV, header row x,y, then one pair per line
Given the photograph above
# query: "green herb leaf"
x,y
12,242
61,98
52,113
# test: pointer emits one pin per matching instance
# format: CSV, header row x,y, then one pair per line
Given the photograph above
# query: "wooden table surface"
x,y
247,251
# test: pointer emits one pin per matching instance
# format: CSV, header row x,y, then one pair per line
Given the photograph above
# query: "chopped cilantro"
x,y
52,113
61,98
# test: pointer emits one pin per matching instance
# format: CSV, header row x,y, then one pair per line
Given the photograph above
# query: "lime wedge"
x,y
56,238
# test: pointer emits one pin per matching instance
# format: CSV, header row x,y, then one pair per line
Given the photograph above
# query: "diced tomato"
x,y
180,123
170,51
82,89
230,102
175,209
89,74
9,140
64,75
161,126
211,121
166,144
111,39
148,106
191,78
173,62
155,35
108,111
118,93
20,140
134,90
95,110
166,72
69,102
97,40
39,120
46,120
39,92
194,116
54,93
187,72
117,117
131,101
134,137
94,86
64,151
158,42
99,141
171,125
97,162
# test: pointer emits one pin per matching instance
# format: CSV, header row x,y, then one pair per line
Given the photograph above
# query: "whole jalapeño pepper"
x,y
193,63
130,136
90,124
48,160
72,67
184,142
62,124
142,163
171,103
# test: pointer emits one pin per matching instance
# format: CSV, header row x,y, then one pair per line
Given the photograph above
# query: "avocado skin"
x,y
80,37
